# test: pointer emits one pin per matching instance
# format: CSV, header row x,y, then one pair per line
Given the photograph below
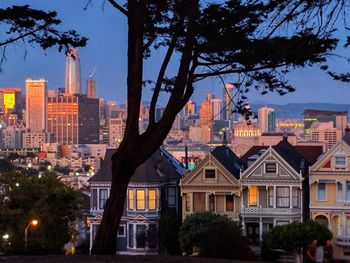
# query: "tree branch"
x,y
119,7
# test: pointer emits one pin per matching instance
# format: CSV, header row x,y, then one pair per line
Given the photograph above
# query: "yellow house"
x,y
330,194
213,185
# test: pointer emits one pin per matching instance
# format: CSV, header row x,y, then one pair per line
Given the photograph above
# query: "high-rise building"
x,y
266,119
73,79
190,109
36,94
74,119
11,102
227,113
116,132
205,114
216,107
91,87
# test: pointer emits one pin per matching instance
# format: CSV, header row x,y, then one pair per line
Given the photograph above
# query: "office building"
x,y
73,79
36,95
266,119
91,87
227,113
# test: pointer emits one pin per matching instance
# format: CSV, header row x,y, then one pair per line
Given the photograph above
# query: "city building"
x,y
189,109
266,119
36,96
324,132
206,114
152,189
330,194
12,137
272,138
37,139
74,119
91,87
116,132
244,137
339,118
216,107
11,103
213,185
228,106
73,79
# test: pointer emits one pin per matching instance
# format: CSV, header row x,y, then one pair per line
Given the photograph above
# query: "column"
x,y
190,196
134,235
260,229
274,196
290,197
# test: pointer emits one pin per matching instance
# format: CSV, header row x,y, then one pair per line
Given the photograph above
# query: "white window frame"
x,y
270,173
340,165
325,189
340,194
124,235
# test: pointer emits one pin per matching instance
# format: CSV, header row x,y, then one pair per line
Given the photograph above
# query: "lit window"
x,y
321,192
140,199
270,168
229,203
253,190
340,161
210,174
151,199
131,199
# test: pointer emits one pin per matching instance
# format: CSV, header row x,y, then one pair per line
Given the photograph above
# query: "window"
x,y
229,203
131,199
187,202
347,229
131,235
140,236
211,203
340,161
140,199
253,190
347,193
282,196
295,196
103,198
270,194
210,174
152,236
321,192
152,199
340,196
198,202
121,231
270,168
171,196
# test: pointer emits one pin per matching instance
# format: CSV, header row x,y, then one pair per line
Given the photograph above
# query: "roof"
x,y
161,166
312,112
277,134
292,154
228,159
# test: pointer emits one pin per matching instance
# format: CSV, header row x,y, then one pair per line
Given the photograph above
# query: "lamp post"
x,y
33,222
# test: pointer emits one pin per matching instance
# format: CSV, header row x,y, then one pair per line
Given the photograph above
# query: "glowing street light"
x,y
5,237
33,223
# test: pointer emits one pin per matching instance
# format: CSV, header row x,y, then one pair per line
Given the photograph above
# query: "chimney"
x,y
186,156
285,136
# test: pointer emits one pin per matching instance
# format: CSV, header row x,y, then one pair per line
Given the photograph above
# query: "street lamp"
x,y
5,237
33,223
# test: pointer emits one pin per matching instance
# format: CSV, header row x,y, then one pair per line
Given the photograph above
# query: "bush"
x,y
293,237
213,235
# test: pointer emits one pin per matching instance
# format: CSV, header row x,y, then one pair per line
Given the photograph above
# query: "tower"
x,y
91,87
227,102
36,95
266,119
73,80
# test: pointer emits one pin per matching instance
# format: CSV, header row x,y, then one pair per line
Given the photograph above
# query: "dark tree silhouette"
x,y
26,26
258,40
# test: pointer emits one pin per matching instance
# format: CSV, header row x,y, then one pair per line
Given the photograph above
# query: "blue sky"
x,y
106,50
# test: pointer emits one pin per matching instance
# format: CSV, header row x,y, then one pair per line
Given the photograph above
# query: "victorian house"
x,y
213,185
272,187
330,194
152,190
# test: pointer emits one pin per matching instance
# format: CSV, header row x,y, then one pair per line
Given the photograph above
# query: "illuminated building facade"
x,y
73,79
205,114
266,119
91,87
36,95
11,102
74,119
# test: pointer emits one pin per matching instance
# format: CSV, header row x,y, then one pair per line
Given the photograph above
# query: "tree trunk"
x,y
105,240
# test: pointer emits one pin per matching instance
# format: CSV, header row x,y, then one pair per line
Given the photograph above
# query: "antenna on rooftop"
x,y
91,75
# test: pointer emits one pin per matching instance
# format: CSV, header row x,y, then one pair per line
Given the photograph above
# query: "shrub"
x,y
213,235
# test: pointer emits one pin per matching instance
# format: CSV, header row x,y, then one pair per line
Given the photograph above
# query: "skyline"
x,y
106,51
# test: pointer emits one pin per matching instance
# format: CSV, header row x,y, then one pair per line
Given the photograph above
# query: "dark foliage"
x,y
169,227
213,235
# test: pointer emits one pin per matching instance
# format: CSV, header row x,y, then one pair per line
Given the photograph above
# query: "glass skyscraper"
x,y
73,79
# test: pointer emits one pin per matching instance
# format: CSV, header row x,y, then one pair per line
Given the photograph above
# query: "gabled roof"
x,y
160,167
228,159
290,154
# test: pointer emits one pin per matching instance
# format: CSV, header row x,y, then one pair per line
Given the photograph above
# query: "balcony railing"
x,y
343,241
271,210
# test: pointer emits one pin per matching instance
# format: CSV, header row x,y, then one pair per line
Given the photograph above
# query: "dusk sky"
x,y
106,50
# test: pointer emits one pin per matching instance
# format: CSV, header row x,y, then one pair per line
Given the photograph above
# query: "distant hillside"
x,y
295,110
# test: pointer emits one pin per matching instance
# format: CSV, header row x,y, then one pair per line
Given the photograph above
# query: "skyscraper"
x,y
227,102
73,79
36,94
91,87
266,119
216,107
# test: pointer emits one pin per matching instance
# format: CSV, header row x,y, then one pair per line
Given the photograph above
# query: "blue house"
x,y
152,189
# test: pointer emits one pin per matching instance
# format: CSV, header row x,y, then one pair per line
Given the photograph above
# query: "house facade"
x,y
271,189
152,190
213,185
330,194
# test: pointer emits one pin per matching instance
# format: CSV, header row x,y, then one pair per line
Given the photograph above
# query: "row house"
x,y
152,190
330,194
213,185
